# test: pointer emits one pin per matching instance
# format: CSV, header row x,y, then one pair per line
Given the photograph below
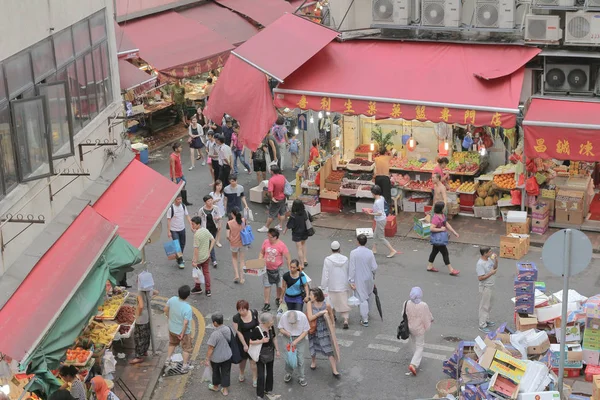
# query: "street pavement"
x,y
373,362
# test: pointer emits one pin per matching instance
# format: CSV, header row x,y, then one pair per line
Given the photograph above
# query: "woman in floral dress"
x,y
319,339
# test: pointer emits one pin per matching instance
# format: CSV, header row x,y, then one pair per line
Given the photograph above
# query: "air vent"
x,y
441,13
391,12
495,14
582,28
567,78
543,29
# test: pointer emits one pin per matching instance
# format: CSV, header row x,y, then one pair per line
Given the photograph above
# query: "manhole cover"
x,y
452,339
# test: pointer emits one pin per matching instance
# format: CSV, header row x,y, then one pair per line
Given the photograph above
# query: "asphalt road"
x,y
373,363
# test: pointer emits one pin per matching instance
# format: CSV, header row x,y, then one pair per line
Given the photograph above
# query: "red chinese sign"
x,y
194,68
562,143
384,110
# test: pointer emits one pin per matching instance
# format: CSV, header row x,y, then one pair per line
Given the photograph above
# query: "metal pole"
x,y
149,308
565,304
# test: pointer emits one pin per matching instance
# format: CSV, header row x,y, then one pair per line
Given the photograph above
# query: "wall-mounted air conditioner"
x,y
391,12
554,3
498,14
567,78
582,28
543,29
441,13
593,4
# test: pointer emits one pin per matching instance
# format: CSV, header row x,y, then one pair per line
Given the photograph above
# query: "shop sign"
x,y
195,68
384,110
562,144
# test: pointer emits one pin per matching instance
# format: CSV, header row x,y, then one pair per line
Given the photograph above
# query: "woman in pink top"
x,y
439,169
234,229
419,321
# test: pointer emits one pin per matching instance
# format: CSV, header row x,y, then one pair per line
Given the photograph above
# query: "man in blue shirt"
x,y
179,313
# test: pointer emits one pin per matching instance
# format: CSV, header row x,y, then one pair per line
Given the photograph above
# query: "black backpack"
x,y
173,209
259,154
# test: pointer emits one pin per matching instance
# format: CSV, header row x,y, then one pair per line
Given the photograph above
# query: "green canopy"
x,y
117,259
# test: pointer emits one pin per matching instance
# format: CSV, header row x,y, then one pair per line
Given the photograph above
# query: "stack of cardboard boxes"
x,y
591,334
569,206
516,242
540,214
524,286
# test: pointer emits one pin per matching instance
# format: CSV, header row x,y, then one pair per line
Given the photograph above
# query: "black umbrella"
x,y
378,302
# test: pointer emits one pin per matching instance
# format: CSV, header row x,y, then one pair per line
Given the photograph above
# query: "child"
x,y
294,150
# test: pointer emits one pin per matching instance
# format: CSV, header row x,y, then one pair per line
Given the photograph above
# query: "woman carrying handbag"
x,y
419,321
264,335
300,223
439,239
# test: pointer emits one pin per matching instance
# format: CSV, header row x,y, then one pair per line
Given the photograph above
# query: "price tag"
x,y
417,177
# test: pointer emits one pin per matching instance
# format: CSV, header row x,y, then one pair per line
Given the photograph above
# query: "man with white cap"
x,y
294,326
361,275
335,281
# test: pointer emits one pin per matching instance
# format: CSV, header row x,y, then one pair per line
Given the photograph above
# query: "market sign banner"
x,y
562,143
384,110
195,68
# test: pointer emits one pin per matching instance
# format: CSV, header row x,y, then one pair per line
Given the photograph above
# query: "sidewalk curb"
x,y
167,144
155,377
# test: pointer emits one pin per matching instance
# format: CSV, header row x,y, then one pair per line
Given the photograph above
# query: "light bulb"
x,y
482,150
337,142
411,142
372,146
320,114
296,131
328,113
446,146
312,120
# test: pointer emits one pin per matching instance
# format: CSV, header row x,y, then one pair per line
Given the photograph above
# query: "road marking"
x,y
345,343
427,345
348,332
434,356
383,347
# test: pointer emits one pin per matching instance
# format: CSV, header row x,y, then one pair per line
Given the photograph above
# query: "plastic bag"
x,y
109,364
353,301
291,358
198,276
207,375
248,215
145,281
173,249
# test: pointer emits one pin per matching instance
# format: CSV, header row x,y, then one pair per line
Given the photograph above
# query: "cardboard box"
x,y
258,195
313,210
504,364
539,396
525,298
333,186
360,204
409,206
569,217
512,247
328,194
591,357
476,392
471,372
596,388
592,323
255,267
518,227
574,356
503,388
573,333
539,223
539,231
524,323
525,308
422,227
527,271
540,211
540,349
522,287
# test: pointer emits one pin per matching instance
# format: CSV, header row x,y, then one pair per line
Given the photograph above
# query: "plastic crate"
x,y
486,212
467,199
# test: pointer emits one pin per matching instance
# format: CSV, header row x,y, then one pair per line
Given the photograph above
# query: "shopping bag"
x,y
291,358
198,275
145,281
282,309
249,215
353,301
247,235
254,351
173,249
207,375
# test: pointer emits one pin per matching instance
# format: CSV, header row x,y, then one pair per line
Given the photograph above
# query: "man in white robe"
x,y
361,276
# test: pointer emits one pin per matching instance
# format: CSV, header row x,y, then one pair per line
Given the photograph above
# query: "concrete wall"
x,y
22,24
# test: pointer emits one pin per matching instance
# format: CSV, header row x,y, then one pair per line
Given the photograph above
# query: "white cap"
x,y
335,245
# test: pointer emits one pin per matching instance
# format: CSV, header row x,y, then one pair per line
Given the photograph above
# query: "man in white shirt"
x,y
380,218
294,326
225,159
176,216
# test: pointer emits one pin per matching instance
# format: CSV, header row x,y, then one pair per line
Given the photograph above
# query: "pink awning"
x,y
266,52
131,76
126,49
243,92
265,12
137,8
233,27
136,201
52,282
170,40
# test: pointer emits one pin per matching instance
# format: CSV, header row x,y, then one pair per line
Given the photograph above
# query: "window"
x,y
42,57
100,92
8,164
59,118
90,86
33,145
98,27
106,72
2,87
84,107
18,74
63,47
81,36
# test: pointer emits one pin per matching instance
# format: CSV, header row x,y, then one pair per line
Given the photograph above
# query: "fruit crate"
x,y
486,212
102,317
119,335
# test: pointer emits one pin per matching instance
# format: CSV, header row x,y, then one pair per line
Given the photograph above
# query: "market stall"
x,y
560,141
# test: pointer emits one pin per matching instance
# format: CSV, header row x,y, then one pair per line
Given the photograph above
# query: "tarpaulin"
x,y
243,92
265,12
126,49
52,283
410,80
562,129
265,52
136,201
131,76
233,27
118,257
177,46
137,8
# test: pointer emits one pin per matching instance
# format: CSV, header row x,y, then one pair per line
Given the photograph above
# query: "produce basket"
x,y
364,192
126,335
360,165
109,316
446,387
486,212
75,363
348,191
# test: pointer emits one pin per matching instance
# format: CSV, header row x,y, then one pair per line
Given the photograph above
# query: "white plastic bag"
x,y
109,365
353,301
207,375
145,281
249,215
198,276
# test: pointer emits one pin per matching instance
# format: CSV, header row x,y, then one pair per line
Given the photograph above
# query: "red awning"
x,y
411,80
562,129
265,12
139,8
126,48
265,52
233,27
44,293
176,45
131,76
136,201
252,106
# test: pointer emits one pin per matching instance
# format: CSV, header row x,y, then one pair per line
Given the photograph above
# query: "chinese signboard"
x,y
195,68
562,143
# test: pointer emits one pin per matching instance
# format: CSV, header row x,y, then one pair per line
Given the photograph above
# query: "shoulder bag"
x,y
267,353
236,354
254,349
310,231
312,325
439,238
403,331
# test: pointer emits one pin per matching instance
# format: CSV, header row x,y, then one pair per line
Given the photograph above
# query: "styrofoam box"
x,y
314,210
368,232
517,217
360,204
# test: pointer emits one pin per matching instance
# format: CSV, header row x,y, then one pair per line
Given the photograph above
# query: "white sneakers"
x,y
264,229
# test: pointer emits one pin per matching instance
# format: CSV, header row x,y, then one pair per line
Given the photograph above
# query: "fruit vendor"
x,y
442,163
439,192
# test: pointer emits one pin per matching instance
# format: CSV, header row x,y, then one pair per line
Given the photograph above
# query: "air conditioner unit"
x,y
441,13
582,28
593,3
554,3
543,29
391,12
567,78
495,14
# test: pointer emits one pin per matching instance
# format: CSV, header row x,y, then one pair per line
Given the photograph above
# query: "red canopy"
x,y
126,48
264,12
562,129
136,201
44,293
265,52
177,46
252,106
233,27
135,7
412,80
131,76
